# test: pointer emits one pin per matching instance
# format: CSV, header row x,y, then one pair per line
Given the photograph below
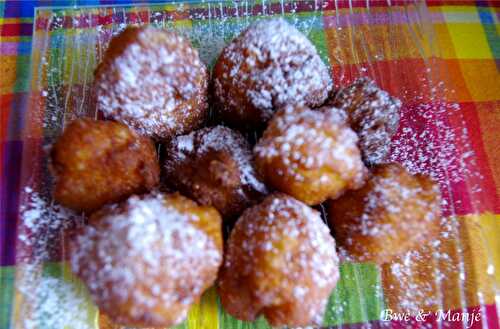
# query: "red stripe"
x,y
484,197
16,29
418,145
461,185
398,77
41,23
5,106
331,5
465,177
472,3
136,16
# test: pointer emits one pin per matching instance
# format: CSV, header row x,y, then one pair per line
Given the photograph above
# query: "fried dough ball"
x,y
214,167
267,66
153,81
310,155
100,162
280,262
373,114
147,260
393,213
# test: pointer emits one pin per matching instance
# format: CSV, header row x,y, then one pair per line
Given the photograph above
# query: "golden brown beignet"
x,y
154,81
214,167
100,162
147,260
373,114
310,155
280,262
393,213
269,65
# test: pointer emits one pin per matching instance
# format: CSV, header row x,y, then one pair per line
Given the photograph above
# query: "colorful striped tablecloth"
x,y
442,58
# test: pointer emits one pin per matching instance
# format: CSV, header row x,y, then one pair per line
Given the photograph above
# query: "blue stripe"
x,y
24,48
488,22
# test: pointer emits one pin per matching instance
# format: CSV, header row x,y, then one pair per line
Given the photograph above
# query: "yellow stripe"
x,y
490,229
15,20
204,315
469,40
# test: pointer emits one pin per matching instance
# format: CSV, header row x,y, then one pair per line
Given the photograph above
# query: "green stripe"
x,y
63,284
358,296
23,78
23,38
318,39
356,299
7,276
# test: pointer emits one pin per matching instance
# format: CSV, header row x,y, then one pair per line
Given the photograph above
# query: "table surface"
x,y
468,33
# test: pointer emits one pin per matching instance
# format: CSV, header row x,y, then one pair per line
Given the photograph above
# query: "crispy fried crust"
x,y
100,162
214,166
393,213
147,260
310,155
154,81
267,66
280,262
373,114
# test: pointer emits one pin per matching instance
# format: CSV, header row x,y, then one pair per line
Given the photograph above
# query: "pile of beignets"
x,y
179,199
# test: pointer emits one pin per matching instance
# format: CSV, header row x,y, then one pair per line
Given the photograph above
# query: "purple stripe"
x,y
8,48
9,200
15,48
19,104
365,18
25,29
374,324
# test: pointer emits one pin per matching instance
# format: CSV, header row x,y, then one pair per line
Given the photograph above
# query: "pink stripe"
x,y
484,317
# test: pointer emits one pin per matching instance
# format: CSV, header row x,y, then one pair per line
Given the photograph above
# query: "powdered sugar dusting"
x,y
81,52
373,114
416,295
274,64
43,226
148,252
422,276
393,208
157,85
198,143
381,196
51,302
427,144
307,139
48,301
297,244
